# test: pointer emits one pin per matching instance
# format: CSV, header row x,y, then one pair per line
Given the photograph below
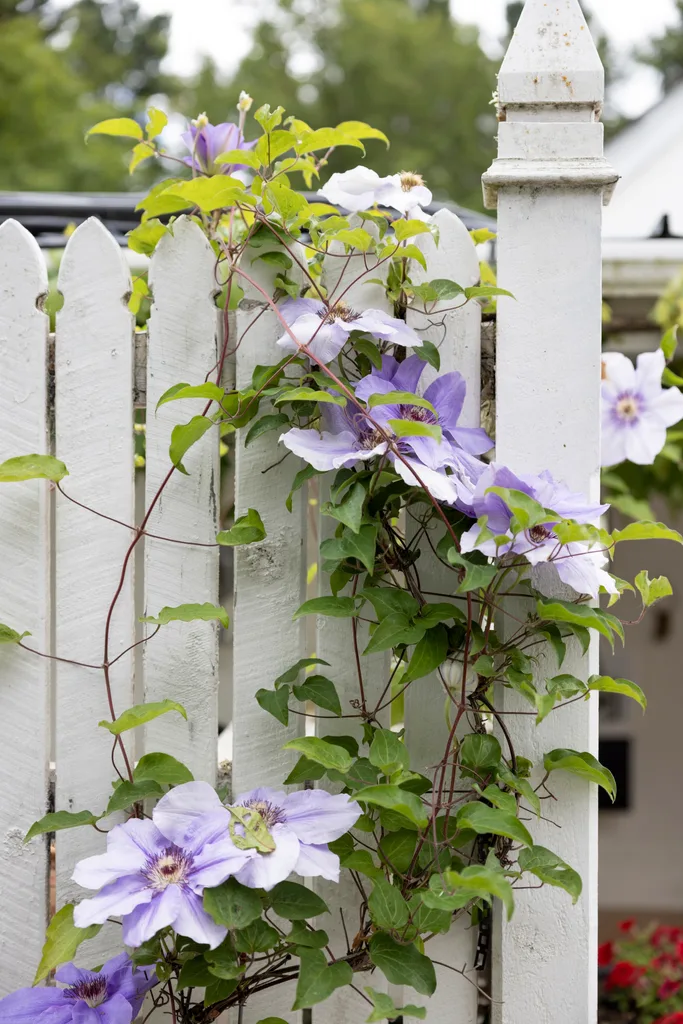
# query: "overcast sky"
x,y
220,27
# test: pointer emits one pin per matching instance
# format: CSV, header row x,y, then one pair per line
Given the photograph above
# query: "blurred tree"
x,y
60,71
401,65
665,52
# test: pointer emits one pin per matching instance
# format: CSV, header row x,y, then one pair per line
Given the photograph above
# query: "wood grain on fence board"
x,y
94,437
24,605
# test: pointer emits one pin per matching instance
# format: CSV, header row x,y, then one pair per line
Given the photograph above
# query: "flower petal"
x,y
292,309
116,1010
191,814
669,406
649,369
619,370
216,861
316,816
69,974
267,869
447,395
129,847
145,920
317,862
193,921
473,440
353,190
644,442
120,897
30,1005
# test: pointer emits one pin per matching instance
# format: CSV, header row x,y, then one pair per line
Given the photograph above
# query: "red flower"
x,y
664,960
623,975
628,925
671,1018
679,951
668,989
665,933
605,954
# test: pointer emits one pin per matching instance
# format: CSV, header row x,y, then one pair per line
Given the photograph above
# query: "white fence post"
x,y
182,663
94,437
24,605
549,183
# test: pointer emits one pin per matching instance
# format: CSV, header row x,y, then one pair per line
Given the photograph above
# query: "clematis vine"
x,y
294,829
112,995
574,563
326,329
207,141
636,410
154,883
447,467
361,188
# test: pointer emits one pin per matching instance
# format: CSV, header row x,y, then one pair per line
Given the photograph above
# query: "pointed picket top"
x,y
185,261
551,58
20,260
455,257
93,265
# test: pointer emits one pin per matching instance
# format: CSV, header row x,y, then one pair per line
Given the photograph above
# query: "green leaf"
x,y
360,546
477,576
393,630
480,752
190,613
526,511
214,193
669,343
580,615
368,348
295,902
361,130
59,820
217,991
391,600
336,607
484,820
293,673
146,236
156,122
652,590
267,118
287,202
350,510
141,713
432,614
299,480
643,531
446,289
257,937
303,771
178,391
310,395
400,398
162,768
321,691
264,425
128,793
551,869
329,755
126,127
402,965
327,138
411,252
582,764
248,529
411,428
398,848
384,1008
232,905
486,291
387,907
472,882
271,1020
355,238
605,684
10,636
409,228
311,938
396,799
430,354
275,702
184,436
253,834
318,979
32,467
387,752
62,940
429,653
521,786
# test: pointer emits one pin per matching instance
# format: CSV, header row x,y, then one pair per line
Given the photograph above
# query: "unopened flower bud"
x,y
201,121
245,101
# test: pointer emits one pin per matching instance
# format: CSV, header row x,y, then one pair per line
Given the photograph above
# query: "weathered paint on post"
x,y
549,183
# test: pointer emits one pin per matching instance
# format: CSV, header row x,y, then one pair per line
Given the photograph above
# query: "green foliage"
x,y
248,529
190,613
232,905
32,467
59,820
318,979
402,965
140,714
584,765
62,940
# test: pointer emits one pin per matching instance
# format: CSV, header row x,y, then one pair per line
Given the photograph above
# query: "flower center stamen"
x,y
93,992
409,179
169,868
539,534
340,311
271,814
628,407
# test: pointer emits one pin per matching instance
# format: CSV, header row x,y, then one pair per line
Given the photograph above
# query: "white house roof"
x,y
649,157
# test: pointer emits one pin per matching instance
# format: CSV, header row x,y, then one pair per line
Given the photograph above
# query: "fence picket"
x,y
94,437
24,605
269,587
457,335
183,665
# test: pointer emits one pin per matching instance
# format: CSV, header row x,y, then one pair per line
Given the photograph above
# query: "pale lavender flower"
x,y
207,141
112,995
154,883
300,824
361,188
574,563
326,329
636,410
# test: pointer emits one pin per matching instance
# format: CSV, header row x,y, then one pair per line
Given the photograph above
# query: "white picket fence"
x,y
74,396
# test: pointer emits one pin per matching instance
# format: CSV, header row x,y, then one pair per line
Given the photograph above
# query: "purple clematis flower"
x,y
300,824
154,883
206,141
112,995
446,393
636,410
326,329
574,563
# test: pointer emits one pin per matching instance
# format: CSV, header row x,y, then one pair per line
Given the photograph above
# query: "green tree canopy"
x,y
405,67
665,52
